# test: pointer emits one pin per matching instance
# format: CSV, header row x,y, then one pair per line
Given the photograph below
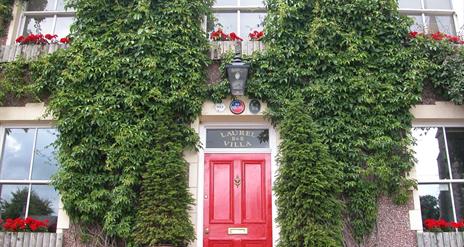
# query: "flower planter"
x,y
442,239
31,239
29,52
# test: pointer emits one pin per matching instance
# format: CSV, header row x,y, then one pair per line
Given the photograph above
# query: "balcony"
x,y
10,53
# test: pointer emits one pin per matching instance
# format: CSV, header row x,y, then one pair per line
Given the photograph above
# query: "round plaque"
x,y
255,106
237,106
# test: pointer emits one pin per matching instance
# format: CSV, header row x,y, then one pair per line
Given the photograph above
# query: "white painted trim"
x,y
273,150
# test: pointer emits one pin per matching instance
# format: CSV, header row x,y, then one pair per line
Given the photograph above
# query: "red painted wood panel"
x,y
221,192
237,196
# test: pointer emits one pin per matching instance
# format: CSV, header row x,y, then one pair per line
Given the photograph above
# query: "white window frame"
x,y
448,182
53,13
423,12
28,182
239,8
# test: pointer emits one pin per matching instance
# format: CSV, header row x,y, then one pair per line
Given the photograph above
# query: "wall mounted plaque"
x,y
237,138
237,106
255,106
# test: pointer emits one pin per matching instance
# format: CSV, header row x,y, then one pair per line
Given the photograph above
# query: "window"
x,y
239,16
46,16
430,16
439,153
27,162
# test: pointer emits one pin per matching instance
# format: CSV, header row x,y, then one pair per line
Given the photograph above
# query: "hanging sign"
x,y
237,106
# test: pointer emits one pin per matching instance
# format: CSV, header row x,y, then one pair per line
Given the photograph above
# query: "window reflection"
x,y
227,21
418,25
435,200
437,4
440,23
458,195
41,5
410,4
251,22
35,25
43,204
455,138
17,152
13,201
430,154
45,163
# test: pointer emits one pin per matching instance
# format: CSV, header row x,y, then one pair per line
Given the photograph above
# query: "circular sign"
x,y
255,106
237,106
220,107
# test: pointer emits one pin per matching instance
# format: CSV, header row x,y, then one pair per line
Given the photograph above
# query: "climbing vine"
x,y
124,95
339,80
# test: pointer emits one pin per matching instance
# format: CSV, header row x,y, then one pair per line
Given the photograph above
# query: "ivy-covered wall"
x,y
339,80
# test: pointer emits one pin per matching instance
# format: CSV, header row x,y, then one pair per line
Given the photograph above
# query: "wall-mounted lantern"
x,y
237,72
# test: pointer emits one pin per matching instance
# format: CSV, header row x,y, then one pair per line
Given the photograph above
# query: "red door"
x,y
237,200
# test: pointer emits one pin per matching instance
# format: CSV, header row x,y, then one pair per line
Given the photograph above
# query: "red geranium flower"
x,y
438,36
65,40
234,37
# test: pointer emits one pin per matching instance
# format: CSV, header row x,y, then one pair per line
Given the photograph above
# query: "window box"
x,y
10,53
445,239
219,48
31,239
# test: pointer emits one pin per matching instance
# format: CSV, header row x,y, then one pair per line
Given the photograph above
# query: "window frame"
x,y
27,182
55,14
452,12
449,181
237,9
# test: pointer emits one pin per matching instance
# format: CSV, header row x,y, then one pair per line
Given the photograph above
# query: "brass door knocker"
x,y
237,181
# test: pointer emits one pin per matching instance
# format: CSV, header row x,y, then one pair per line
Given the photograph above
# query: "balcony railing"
x,y
10,53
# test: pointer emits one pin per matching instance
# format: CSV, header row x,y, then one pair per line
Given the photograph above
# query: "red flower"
x,y
65,40
437,36
234,37
255,35
20,39
413,34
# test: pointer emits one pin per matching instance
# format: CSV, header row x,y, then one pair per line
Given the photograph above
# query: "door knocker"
x,y
237,181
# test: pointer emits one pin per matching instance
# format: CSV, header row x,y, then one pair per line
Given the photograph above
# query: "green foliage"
x,y
307,186
444,63
124,95
352,64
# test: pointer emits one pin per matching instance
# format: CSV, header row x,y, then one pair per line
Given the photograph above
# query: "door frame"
x,y
272,150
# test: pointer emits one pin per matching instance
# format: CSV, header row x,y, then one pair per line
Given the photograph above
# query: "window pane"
x,y
437,4
410,4
250,22
435,200
444,24
227,21
61,6
252,3
45,163
43,204
38,25
63,24
13,200
418,25
430,153
40,5
458,194
226,3
455,138
17,153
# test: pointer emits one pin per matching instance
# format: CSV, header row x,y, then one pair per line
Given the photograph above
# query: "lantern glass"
x,y
237,74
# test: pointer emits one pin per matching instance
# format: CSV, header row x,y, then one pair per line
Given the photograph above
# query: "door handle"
x,y
206,231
